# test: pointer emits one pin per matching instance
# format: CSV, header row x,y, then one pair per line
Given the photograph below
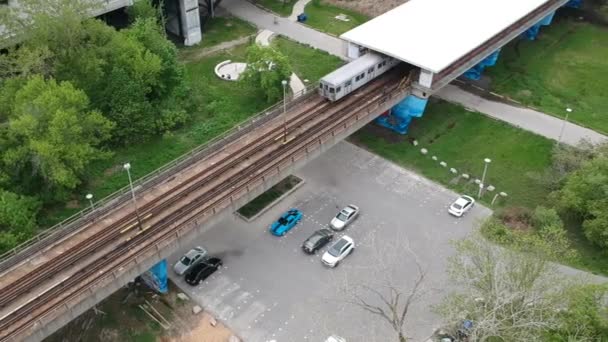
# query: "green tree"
x,y
585,194
52,135
17,219
509,296
266,69
585,315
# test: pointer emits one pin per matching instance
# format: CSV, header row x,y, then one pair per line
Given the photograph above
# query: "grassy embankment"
x,y
322,16
565,67
463,139
219,106
280,7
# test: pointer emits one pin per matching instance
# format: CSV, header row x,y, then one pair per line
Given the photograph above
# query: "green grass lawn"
x,y
463,139
280,7
590,256
219,30
565,67
322,17
307,63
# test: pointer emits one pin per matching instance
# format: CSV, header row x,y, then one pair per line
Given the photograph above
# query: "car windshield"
x,y
282,220
457,206
313,240
335,250
185,260
341,216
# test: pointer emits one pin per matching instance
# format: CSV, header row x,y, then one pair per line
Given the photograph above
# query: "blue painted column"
x,y
156,277
533,31
574,3
475,72
400,116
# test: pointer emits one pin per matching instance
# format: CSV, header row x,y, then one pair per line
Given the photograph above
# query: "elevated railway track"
x,y
31,298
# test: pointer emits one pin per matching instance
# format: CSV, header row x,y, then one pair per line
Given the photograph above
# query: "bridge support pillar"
x,y
156,277
533,31
184,21
574,3
400,116
475,72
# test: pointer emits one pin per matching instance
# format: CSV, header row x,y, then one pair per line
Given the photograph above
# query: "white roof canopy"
x,y
432,34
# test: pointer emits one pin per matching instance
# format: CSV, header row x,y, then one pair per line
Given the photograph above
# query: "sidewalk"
x,y
525,118
265,20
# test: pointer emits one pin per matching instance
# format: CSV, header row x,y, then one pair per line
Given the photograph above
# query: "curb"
x,y
273,203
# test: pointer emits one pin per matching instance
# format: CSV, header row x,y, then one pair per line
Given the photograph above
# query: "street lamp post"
x,y
561,131
284,83
486,161
90,198
127,167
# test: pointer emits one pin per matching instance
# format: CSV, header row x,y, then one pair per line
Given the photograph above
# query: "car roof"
x,y
193,252
462,200
347,238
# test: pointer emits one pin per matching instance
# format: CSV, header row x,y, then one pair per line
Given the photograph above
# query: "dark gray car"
x,y
317,240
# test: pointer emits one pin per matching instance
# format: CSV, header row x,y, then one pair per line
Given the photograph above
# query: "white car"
x,y
463,204
193,257
335,338
344,217
338,251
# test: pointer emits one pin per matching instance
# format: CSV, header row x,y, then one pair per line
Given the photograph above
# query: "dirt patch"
x,y
372,8
120,317
517,218
73,204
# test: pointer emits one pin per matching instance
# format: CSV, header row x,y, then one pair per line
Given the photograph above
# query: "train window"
x,y
347,84
331,90
362,75
370,70
338,89
321,85
326,87
380,65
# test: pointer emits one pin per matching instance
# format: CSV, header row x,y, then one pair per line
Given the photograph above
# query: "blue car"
x,y
287,221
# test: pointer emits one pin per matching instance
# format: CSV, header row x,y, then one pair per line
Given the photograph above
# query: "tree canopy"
x,y
267,68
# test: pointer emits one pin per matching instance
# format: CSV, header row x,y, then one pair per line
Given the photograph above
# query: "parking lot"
x,y
270,290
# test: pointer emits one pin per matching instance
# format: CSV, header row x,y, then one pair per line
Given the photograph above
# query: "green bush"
x,y
543,217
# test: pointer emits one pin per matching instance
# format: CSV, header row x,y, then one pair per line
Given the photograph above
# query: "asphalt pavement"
x,y
270,290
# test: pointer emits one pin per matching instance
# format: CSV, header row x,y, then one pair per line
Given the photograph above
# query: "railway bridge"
x,y
68,269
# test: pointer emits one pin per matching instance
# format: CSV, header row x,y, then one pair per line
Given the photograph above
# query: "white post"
x,y
90,198
561,132
486,161
127,167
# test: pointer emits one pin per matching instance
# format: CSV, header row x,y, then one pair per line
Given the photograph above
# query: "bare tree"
x,y
508,296
388,298
391,303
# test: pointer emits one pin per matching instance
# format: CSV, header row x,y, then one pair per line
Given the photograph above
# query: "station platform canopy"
x,y
433,34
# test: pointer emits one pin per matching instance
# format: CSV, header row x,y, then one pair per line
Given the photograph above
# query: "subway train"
x,y
353,75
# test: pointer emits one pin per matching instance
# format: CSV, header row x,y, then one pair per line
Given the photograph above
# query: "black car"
x,y
202,270
317,240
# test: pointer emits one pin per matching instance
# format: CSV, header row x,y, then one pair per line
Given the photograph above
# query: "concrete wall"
x,y
183,237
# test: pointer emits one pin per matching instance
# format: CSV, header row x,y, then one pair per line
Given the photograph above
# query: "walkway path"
x,y
528,119
265,20
298,8
297,86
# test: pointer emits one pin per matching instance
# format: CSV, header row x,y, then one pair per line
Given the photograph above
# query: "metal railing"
x,y
116,199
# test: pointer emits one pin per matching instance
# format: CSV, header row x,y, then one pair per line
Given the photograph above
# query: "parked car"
x,y
344,217
460,206
202,270
317,240
338,251
335,338
287,221
193,257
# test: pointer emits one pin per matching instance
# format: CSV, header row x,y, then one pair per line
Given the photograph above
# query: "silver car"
x,y
461,205
193,257
344,217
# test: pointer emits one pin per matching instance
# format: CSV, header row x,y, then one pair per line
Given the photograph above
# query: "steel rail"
x,y
116,254
107,235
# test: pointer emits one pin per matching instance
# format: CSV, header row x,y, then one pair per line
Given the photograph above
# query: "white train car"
x,y
353,75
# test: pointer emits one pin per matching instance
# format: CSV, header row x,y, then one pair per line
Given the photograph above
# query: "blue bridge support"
x,y
475,72
533,31
156,277
400,116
